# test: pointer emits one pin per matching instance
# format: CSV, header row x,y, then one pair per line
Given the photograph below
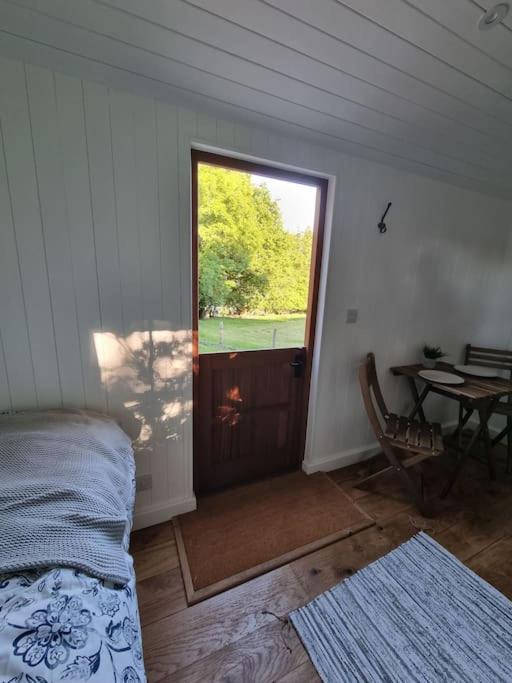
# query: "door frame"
x,y
224,160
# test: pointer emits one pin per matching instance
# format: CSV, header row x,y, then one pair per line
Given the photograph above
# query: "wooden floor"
x,y
242,636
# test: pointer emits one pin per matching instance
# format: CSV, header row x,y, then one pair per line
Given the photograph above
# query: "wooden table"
x,y
478,394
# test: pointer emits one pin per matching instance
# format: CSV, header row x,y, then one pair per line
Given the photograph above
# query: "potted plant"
x,y
431,354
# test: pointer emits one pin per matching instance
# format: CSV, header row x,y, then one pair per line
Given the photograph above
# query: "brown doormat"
x,y
238,534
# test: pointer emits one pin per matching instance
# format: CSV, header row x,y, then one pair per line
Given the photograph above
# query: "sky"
x,y
297,202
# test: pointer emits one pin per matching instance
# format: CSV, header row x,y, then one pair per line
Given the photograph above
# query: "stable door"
x,y
257,245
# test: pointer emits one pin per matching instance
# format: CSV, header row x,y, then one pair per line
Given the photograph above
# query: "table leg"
x,y
458,431
457,434
461,462
509,442
484,412
418,400
504,432
491,463
484,416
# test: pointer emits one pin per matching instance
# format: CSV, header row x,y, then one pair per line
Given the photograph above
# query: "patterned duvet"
x,y
61,624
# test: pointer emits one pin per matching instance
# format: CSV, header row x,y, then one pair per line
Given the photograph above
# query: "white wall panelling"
x,y
408,80
95,268
91,265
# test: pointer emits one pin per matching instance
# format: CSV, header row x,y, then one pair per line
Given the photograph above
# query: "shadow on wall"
x,y
147,376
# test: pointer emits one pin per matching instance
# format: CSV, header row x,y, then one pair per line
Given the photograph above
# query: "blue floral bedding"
x,y
60,624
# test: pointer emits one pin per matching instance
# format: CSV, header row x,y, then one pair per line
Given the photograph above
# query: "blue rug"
x,y
416,614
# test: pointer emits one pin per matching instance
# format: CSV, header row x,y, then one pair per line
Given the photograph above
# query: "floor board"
x,y
153,561
152,537
326,567
492,565
160,596
305,673
239,635
266,654
178,641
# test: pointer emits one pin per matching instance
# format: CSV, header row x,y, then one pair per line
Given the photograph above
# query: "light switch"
x,y
352,315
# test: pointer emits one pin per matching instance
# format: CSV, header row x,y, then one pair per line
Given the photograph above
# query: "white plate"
x,y
440,377
476,370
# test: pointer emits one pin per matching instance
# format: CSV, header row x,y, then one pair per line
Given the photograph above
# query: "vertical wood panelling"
x,y
95,240
15,340
76,186
50,178
187,133
125,116
243,138
147,208
26,213
5,393
167,150
167,461
101,174
226,134
206,127
123,150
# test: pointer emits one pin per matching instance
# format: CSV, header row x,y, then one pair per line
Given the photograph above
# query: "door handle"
x,y
298,366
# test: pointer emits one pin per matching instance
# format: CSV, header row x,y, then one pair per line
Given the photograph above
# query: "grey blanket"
x,y
66,493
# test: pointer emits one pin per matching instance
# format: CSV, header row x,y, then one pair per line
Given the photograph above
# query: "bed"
x,y
75,618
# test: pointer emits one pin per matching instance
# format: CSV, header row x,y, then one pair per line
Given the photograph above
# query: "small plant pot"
x,y
430,363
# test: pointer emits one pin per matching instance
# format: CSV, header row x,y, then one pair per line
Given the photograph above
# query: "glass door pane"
x,y
255,239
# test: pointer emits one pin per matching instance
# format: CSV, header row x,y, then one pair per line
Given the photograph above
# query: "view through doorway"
x,y
257,251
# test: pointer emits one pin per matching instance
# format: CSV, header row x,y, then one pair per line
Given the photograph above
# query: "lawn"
x,y
245,334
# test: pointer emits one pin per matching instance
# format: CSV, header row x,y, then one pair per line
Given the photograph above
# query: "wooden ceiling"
x,y
413,82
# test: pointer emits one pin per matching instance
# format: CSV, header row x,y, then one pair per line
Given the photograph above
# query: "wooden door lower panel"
x,y
249,416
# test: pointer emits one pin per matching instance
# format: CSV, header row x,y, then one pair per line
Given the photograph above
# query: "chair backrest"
x,y
491,358
372,394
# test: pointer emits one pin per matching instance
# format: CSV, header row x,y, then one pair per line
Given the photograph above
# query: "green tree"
x,y
288,274
230,240
247,260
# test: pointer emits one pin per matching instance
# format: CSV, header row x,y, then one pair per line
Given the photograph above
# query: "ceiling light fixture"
x,y
493,16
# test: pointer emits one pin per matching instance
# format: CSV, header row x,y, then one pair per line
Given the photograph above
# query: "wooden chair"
x,y
500,360
405,442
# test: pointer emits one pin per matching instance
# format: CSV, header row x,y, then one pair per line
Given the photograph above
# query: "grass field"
x,y
246,334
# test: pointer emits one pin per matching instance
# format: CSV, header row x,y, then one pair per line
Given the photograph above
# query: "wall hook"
x,y
382,226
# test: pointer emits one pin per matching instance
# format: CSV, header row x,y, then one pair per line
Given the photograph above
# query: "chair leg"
x,y
371,477
415,488
509,443
417,491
